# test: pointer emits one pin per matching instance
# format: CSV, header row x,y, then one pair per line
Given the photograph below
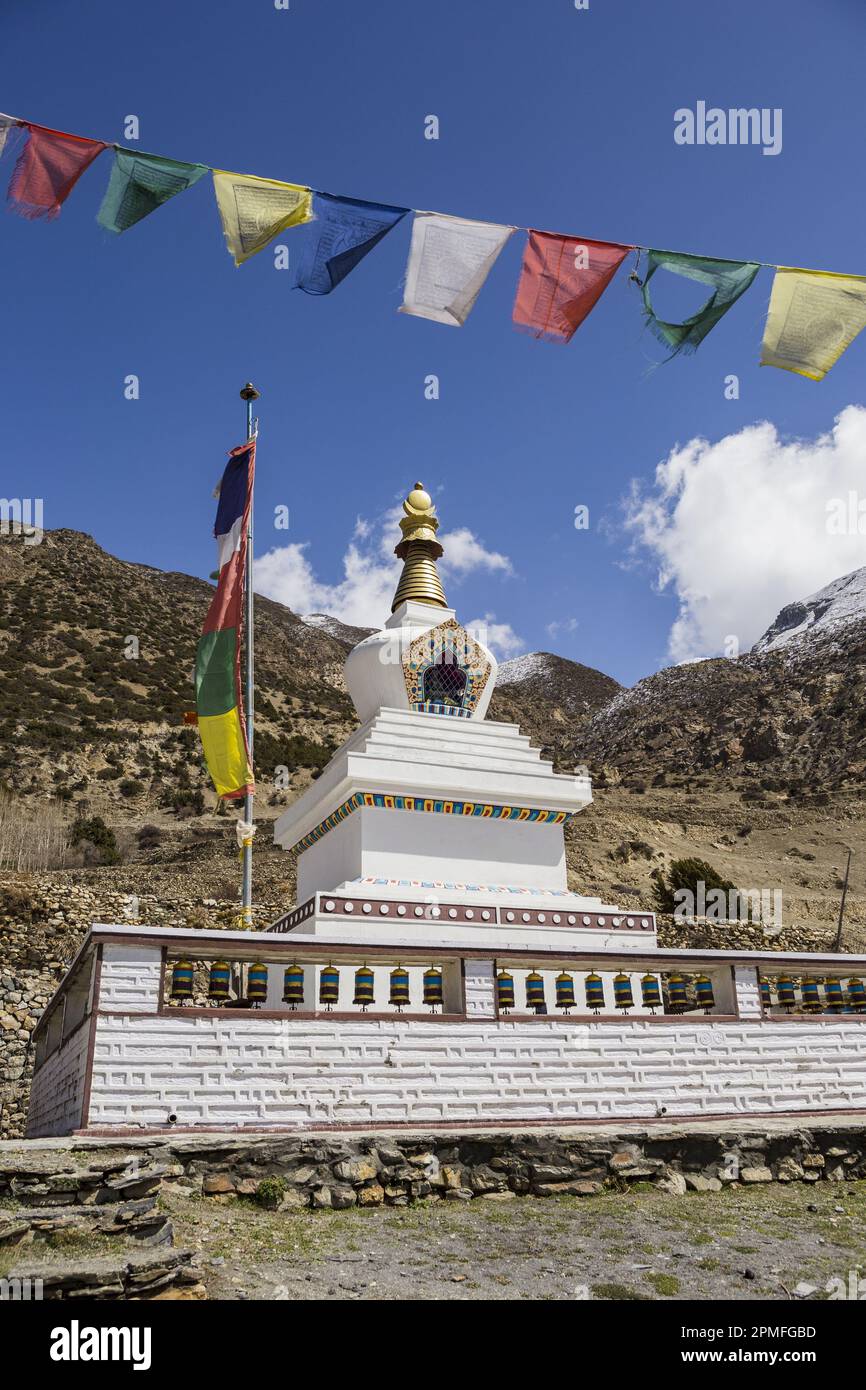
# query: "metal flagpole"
x,y
249,394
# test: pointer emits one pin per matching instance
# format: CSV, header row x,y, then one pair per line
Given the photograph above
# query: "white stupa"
x,y
430,810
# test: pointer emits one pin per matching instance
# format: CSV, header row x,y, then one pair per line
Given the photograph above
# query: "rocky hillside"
x,y
98,656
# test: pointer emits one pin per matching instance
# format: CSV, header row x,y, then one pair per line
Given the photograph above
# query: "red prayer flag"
x,y
48,169
561,279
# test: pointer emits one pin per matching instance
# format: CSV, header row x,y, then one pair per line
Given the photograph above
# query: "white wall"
x,y
416,844
262,1072
57,1091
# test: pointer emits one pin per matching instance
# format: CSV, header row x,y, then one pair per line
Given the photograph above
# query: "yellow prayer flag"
x,y
814,315
254,210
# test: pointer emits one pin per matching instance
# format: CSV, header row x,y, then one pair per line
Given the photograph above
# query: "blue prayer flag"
x,y
344,231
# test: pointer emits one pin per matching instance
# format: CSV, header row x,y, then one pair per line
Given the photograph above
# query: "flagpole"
x,y
249,394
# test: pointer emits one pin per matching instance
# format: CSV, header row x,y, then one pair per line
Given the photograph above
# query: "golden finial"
x,y
419,550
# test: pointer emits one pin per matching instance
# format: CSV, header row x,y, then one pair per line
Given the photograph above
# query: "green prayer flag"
x,y
139,184
729,279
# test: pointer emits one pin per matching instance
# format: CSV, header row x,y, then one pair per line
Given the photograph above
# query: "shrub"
x,y
270,1192
685,874
96,840
131,787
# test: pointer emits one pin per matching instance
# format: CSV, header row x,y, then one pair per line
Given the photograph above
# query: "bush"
x,y
270,1192
685,873
131,787
96,840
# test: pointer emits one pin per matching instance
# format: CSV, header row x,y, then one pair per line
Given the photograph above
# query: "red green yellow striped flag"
x,y
219,704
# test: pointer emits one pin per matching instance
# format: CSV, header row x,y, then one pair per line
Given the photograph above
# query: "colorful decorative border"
x,y
431,707
426,650
485,809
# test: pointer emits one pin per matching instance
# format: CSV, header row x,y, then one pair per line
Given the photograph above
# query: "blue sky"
x,y
549,117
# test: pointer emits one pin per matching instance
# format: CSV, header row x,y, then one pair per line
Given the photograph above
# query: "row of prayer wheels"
x,y
593,985
836,1000
220,982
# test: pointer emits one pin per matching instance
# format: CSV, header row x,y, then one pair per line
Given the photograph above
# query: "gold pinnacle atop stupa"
x,y
419,550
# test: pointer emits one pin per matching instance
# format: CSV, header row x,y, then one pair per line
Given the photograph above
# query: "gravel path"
x,y
761,1242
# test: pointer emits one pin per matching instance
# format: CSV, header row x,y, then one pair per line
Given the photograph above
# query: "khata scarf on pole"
x,y
47,170
254,210
346,230
561,280
729,279
813,317
139,184
449,260
219,702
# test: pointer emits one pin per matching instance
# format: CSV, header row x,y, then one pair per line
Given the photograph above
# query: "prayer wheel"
x,y
399,994
678,997
565,991
257,983
594,989
293,985
622,995
182,974
220,980
364,986
505,991
329,985
856,994
650,992
704,993
535,990
433,995
835,994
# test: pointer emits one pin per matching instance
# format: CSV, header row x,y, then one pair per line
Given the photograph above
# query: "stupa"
x,y
431,811
436,969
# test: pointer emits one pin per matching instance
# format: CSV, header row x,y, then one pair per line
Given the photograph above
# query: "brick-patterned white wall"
x,y
57,1091
260,1072
130,978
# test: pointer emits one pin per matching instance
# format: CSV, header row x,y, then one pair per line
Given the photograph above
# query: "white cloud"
x,y
739,528
501,638
371,570
464,552
560,625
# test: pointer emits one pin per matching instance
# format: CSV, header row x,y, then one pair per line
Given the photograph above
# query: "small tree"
x,y
97,841
686,874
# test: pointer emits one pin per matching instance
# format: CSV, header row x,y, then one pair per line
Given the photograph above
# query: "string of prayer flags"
x,y
218,698
346,230
254,210
139,184
813,317
729,279
47,170
449,260
561,280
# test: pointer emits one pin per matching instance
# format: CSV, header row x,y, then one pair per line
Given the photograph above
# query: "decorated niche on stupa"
x,y
445,670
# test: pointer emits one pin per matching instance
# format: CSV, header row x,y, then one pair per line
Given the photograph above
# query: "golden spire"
x,y
419,550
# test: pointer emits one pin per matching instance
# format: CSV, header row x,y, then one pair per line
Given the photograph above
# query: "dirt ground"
x,y
762,1242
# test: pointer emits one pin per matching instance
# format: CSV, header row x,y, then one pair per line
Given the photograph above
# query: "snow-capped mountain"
x,y
822,614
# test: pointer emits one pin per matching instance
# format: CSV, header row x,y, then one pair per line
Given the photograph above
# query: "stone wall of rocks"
x,y
320,1172
43,920
389,1170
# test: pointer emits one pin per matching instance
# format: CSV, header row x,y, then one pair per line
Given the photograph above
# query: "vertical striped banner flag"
x,y
219,702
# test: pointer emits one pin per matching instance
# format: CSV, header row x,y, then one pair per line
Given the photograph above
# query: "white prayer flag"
x,y
7,123
449,260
